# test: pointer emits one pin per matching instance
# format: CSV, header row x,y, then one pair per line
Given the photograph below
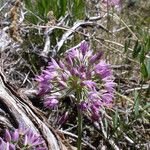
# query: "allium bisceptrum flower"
x,y
6,145
22,138
80,70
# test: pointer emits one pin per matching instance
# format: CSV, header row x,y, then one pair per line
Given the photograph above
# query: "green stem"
x,y
79,125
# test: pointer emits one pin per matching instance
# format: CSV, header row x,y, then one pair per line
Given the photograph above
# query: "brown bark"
x,y
16,108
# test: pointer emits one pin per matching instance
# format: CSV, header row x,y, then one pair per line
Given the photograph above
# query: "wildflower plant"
x,y
83,74
22,138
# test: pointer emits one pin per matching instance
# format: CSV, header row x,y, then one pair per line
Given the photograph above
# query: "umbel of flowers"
x,y
22,138
80,72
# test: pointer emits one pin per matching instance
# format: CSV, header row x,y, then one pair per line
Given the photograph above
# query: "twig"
x,y
47,33
138,88
118,30
121,67
3,6
51,28
68,33
46,46
95,18
73,29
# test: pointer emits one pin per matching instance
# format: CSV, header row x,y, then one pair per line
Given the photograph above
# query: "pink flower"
x,y
63,118
50,102
96,57
95,113
15,135
83,106
110,86
80,70
107,97
89,84
31,139
84,48
22,138
93,95
7,136
102,69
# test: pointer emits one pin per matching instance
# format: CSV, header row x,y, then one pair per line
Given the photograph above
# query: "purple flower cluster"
x,y
21,138
82,71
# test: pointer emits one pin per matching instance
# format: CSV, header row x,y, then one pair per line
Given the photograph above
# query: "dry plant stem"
x,y
73,29
47,33
95,18
121,67
144,87
46,46
121,29
68,33
3,6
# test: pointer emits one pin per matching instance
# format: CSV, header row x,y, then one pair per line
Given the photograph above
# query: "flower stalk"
x,y
80,123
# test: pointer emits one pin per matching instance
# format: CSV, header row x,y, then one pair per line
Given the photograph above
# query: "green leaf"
x,y
137,49
116,119
126,45
78,9
147,47
146,106
148,67
142,55
106,124
63,7
144,71
136,103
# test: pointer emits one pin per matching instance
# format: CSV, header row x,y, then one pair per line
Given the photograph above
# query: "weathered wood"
x,y
20,110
